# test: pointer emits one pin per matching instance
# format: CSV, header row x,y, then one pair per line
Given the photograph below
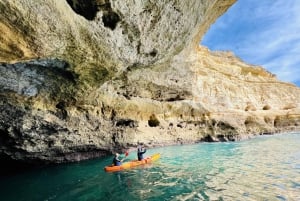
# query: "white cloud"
x,y
261,32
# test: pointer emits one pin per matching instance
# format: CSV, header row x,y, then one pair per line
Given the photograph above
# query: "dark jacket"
x,y
140,153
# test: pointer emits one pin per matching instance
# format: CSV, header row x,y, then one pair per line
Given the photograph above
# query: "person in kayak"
x,y
117,161
140,151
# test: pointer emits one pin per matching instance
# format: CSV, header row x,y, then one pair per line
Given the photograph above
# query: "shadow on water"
x,y
11,167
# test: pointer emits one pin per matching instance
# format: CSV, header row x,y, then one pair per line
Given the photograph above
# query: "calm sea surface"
x,y
264,168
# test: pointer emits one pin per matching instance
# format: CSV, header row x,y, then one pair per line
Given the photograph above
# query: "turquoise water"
x,y
264,168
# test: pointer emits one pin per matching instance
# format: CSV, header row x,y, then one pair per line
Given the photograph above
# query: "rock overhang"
x,y
117,33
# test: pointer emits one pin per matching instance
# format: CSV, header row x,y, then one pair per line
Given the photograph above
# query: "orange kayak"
x,y
132,163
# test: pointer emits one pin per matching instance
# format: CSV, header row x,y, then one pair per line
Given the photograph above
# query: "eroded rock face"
x,y
81,79
112,35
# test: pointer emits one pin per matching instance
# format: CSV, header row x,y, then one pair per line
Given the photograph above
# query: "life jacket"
x,y
116,161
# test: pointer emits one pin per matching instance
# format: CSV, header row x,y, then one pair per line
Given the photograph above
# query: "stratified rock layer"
x,y
81,79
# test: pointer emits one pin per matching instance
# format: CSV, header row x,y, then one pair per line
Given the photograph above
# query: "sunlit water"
x,y
264,168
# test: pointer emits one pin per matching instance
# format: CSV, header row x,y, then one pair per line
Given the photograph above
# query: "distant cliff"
x,y
84,78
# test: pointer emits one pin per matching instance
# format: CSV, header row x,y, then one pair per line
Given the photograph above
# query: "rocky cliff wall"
x,y
81,79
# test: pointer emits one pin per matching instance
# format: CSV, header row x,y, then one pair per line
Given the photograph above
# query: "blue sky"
x,y
261,32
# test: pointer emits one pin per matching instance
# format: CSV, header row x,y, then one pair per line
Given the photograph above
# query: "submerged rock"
x,y
82,79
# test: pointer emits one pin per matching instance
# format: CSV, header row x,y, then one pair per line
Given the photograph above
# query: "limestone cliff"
x,y
84,78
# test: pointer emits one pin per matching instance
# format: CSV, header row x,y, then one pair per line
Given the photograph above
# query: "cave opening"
x,y
110,19
89,8
86,8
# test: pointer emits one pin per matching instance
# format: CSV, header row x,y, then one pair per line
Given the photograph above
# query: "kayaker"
x,y
117,161
140,151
